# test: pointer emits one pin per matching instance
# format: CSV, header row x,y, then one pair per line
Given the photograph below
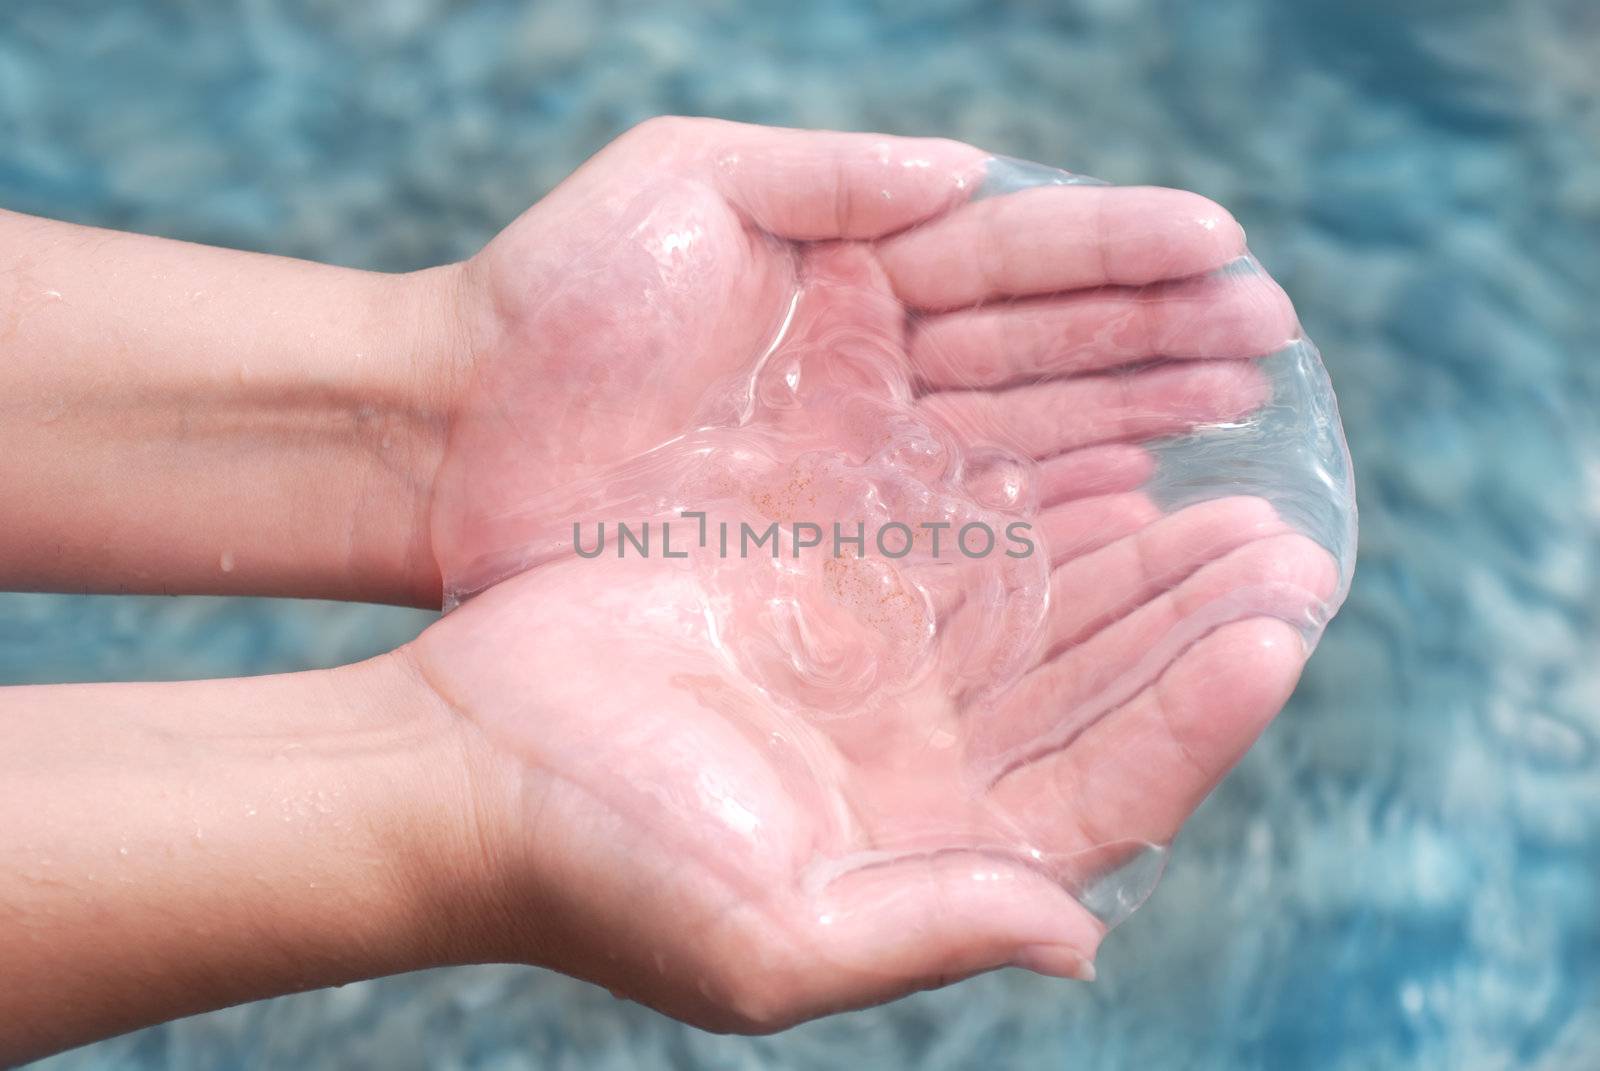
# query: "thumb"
x,y
928,921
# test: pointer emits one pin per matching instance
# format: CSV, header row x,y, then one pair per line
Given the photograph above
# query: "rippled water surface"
x,y
1405,871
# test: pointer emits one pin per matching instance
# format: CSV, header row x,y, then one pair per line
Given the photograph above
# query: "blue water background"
x,y
1406,871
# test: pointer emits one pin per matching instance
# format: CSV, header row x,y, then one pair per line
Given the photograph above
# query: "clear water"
x,y
1405,871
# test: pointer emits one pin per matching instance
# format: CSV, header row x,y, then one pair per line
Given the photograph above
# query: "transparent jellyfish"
x,y
882,545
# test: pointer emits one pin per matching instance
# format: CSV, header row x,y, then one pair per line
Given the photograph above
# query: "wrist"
x,y
465,855
418,321
437,819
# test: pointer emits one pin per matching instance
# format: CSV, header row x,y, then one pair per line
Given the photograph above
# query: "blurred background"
x,y
1406,871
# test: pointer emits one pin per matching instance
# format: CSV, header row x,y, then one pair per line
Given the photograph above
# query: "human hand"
x,y
598,324
677,814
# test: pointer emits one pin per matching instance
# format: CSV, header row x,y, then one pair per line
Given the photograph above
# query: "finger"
x,y
930,920
1058,238
1139,773
1085,525
811,185
1090,591
1044,419
1094,470
1285,576
969,628
1224,315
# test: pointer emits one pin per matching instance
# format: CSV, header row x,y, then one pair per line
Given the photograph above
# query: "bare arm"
x,y
172,848
179,418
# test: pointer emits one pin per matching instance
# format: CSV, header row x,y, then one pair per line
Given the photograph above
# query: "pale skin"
x,y
183,419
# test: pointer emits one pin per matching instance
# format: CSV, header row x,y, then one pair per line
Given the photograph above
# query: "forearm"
x,y
169,848
179,418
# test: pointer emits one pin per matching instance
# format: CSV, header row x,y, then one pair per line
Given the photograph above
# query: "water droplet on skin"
x,y
226,561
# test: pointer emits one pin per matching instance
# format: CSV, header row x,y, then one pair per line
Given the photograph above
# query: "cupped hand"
x,y
670,822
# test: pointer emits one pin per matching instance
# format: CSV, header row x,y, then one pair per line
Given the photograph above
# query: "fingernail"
x,y
1056,961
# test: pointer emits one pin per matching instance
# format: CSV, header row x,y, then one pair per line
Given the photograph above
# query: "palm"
x,y
824,782
617,302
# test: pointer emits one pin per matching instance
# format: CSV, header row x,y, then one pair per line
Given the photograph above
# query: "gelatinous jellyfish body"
x,y
984,539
